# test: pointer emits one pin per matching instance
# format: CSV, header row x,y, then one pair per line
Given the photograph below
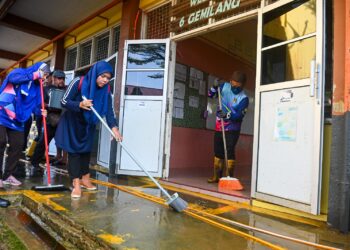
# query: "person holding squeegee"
x,y
19,98
75,131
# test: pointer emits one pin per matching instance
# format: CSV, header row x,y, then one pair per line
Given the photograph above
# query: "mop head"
x,y
229,183
176,203
50,188
4,203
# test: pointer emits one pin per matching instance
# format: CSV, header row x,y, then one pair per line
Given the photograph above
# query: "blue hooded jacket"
x,y
20,96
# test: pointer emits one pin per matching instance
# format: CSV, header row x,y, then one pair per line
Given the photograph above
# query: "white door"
x,y
104,154
143,105
289,92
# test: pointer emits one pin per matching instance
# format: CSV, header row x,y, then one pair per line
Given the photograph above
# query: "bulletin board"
x,y
190,97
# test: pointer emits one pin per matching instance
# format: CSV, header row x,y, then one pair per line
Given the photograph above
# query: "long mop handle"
x,y
128,152
45,134
223,132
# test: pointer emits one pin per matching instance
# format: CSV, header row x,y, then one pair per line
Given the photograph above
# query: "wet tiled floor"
x,y
118,215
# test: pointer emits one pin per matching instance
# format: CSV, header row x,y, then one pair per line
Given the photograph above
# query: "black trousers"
x,y
27,126
40,147
16,140
39,126
231,141
78,164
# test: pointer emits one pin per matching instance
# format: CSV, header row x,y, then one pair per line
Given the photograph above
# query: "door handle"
x,y
318,81
312,77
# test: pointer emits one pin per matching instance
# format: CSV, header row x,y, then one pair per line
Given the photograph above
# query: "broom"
x,y
49,186
174,201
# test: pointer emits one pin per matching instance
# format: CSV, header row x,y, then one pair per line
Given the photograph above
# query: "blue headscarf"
x,y
91,91
28,93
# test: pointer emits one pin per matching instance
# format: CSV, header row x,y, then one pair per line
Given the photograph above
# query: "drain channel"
x,y
28,231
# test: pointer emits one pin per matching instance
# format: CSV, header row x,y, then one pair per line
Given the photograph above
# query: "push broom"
x,y
174,201
49,186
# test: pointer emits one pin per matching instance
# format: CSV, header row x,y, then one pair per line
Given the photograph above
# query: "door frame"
x,y
317,82
165,107
98,159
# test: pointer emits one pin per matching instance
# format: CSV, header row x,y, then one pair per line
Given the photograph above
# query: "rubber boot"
x,y
218,164
230,168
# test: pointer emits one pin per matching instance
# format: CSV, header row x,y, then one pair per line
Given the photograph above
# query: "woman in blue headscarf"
x,y
75,131
19,98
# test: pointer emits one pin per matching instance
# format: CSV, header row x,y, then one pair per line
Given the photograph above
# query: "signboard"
x,y
189,14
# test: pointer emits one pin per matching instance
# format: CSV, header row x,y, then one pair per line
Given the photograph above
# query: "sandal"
x,y
76,192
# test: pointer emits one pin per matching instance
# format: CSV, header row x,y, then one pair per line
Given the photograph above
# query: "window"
x,y
158,22
288,42
71,58
116,34
93,49
85,53
145,69
102,43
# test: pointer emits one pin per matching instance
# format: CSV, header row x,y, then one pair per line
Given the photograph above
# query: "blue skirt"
x,y
73,134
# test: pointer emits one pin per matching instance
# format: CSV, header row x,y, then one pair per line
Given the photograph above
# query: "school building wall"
x,y
339,186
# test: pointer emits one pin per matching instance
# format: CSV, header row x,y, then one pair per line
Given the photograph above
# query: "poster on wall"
x,y
286,124
180,72
212,107
178,112
196,76
179,90
193,101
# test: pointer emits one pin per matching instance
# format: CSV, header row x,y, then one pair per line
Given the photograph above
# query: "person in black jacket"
x,y
52,119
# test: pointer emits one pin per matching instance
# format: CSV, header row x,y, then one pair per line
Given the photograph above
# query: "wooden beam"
x,y
58,54
5,6
10,55
25,25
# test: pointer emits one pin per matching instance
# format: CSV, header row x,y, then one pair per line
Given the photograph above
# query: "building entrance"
x,y
201,60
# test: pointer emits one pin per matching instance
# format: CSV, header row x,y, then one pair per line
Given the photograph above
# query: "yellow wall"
x,y
94,26
148,4
327,143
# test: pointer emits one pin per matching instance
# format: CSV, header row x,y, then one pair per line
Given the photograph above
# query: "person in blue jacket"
x,y
19,98
75,131
234,106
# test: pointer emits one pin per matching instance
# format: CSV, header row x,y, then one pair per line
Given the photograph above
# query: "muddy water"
x,y
128,221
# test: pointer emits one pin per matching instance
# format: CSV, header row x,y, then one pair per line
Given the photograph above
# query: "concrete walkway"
x,y
130,213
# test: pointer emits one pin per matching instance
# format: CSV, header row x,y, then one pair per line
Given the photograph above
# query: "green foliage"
x,y
8,239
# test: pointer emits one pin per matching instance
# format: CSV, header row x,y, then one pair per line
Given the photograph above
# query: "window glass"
x,y
146,56
293,20
288,62
148,83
